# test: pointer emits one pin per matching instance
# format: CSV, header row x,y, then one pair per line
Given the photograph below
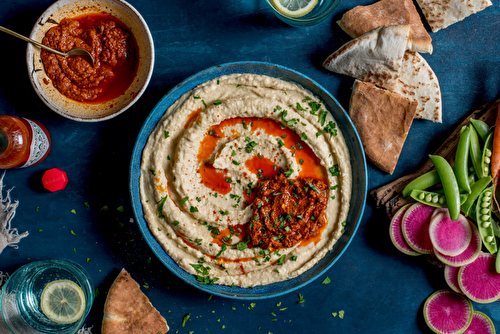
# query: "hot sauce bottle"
x,y
23,142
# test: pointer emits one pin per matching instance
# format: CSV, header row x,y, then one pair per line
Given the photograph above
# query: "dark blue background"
x,y
380,289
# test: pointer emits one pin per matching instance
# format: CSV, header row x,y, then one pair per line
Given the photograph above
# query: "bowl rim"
x,y
150,57
134,187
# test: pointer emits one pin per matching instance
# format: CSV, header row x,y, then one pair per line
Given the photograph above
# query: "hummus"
x,y
204,162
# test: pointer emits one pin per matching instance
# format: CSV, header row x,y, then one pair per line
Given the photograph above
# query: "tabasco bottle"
x,y
23,142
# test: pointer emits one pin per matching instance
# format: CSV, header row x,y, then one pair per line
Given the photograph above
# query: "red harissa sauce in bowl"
x,y
113,47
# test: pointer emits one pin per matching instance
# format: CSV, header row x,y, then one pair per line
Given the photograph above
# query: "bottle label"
x,y
39,144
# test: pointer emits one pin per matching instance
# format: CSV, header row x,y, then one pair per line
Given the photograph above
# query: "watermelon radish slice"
x,y
468,255
451,278
479,280
480,324
449,237
447,312
397,236
415,227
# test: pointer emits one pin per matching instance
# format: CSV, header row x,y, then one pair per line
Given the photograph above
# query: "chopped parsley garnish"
x,y
244,124
301,161
322,117
175,223
331,128
335,171
167,134
236,162
250,146
152,171
280,142
217,102
303,136
204,103
301,299
327,280
211,132
193,209
222,249
299,107
160,207
184,200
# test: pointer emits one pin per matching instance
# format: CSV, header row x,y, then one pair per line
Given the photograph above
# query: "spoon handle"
x,y
31,41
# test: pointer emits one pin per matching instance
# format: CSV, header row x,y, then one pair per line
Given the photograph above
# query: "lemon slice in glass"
x,y
294,8
63,301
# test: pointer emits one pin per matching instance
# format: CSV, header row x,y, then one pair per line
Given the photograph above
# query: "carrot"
x,y
495,156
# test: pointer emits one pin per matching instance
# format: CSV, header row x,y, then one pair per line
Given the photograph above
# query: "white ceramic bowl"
x,y
88,112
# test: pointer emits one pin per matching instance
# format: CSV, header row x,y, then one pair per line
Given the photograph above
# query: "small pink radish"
x,y
480,324
479,280
397,236
449,237
448,312
415,227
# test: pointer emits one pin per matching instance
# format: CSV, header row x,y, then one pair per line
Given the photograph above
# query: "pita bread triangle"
x,y
418,82
383,120
441,14
128,311
362,19
374,57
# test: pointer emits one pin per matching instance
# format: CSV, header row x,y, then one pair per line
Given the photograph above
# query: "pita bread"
x,y
442,13
128,311
362,19
374,57
383,119
418,82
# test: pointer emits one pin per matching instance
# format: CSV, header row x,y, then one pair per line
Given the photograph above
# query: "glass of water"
x,y
301,13
26,311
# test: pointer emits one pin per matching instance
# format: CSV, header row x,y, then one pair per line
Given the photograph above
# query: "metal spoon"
x,y
71,53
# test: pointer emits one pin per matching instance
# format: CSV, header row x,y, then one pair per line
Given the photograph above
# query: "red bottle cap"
x,y
55,179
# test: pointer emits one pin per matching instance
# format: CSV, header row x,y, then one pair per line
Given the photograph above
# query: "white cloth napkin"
x,y
8,236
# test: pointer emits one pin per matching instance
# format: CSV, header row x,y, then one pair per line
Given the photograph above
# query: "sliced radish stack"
x,y
415,227
449,237
448,312
479,280
397,236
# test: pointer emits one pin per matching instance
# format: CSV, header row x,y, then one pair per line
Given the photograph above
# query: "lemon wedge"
x,y
63,301
294,8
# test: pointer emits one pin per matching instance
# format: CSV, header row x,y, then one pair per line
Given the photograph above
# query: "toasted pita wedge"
x,y
374,57
443,13
362,19
128,311
383,119
418,82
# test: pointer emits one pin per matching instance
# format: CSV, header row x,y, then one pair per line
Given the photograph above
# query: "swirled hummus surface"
x,y
246,180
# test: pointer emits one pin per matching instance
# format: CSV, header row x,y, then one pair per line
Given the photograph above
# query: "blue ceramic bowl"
x,y
359,177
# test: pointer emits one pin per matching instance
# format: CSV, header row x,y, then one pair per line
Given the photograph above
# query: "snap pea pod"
x,y
435,199
461,160
481,128
483,219
475,152
486,157
496,228
450,185
476,189
422,182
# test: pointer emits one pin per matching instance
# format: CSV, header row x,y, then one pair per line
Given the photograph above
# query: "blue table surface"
x,y
379,289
